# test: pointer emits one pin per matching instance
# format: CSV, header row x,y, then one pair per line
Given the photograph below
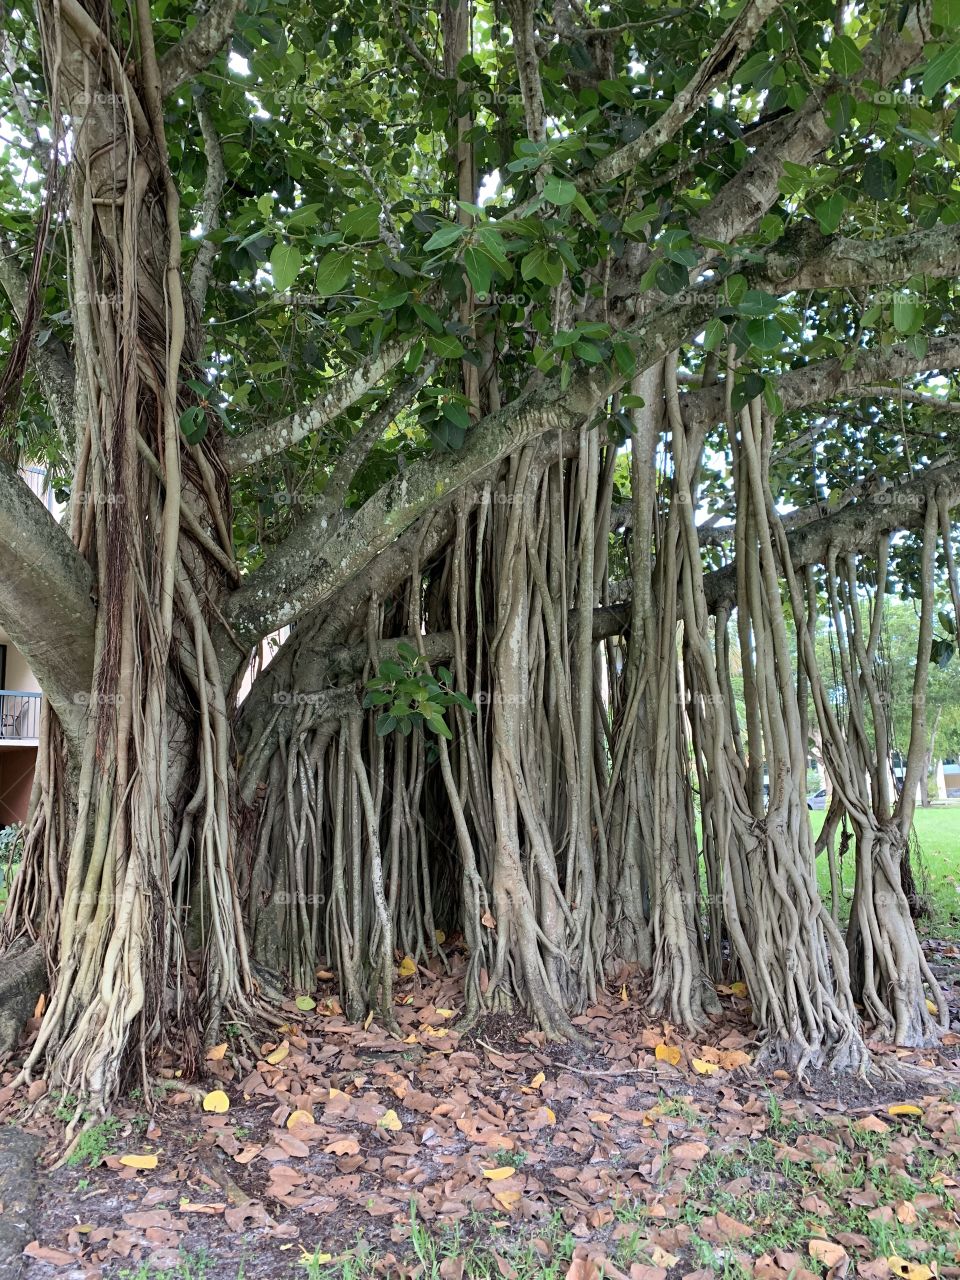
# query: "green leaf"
x,y
479,270
193,424
672,277
558,191
747,386
713,334
765,334
285,264
907,313
445,345
845,57
944,68
829,212
444,236
333,272
542,264
879,179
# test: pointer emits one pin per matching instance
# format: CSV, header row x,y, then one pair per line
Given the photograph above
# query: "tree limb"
x,y
247,450
724,57
199,46
46,601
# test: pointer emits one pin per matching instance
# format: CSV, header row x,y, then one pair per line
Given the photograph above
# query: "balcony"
x,y
19,716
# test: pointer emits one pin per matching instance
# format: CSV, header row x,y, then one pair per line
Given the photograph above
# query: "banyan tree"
x,y
475,424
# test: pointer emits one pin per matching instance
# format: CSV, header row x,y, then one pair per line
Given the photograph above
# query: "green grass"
x,y
938,833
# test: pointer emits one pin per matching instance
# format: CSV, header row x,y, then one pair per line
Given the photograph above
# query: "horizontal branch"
x,y
834,379
46,601
299,575
247,450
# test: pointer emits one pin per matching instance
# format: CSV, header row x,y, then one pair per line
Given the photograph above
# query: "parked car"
x,y
818,800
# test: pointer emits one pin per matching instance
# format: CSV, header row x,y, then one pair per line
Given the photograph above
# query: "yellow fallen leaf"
x,y
623,993
904,1109
367,1020
216,1053
410,1039
498,1174
335,1093
445,1013
306,1003
738,989
313,1259
406,968
390,1120
910,1270
537,1080
551,1115
440,936
509,1199
278,1055
667,1053
299,1118
931,1007
704,1069
660,1258
139,1162
437,1032
217,1101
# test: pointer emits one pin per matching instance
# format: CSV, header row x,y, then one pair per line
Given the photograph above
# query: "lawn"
x,y
938,868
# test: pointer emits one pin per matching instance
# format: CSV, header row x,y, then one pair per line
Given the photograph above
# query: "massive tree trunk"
x,y
139,828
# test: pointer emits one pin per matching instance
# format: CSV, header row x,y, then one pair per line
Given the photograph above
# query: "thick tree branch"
x,y
300,575
210,208
827,380
199,46
46,601
844,262
724,57
342,392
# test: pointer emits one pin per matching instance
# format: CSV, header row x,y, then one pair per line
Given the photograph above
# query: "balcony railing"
x,y
19,715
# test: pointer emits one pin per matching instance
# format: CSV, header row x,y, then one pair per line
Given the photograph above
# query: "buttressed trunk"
x,y
118,851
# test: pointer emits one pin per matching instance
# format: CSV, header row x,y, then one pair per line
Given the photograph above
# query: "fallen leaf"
x,y
216,1101
498,1174
910,1270
667,1053
931,1007
306,1003
299,1118
660,1258
279,1053
704,1068
825,1251
139,1162
440,936
488,921
537,1080
217,1052
509,1199
904,1109
390,1120
343,1147
407,968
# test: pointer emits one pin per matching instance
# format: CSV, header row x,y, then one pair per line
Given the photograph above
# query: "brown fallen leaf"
x,y
827,1252
343,1147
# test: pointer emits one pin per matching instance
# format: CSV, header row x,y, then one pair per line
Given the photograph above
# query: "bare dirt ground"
x,y
350,1151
